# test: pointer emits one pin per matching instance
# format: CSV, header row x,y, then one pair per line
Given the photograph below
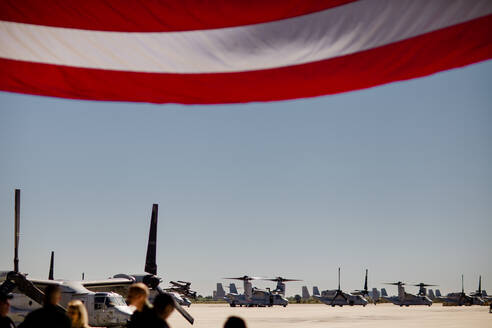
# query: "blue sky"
x,y
396,179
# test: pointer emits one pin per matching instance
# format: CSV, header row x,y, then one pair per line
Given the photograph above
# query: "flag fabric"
x,y
232,51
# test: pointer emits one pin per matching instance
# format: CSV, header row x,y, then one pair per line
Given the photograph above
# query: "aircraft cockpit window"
x,y
114,301
99,299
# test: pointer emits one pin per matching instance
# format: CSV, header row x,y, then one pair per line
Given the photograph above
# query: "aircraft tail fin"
x,y
438,293
484,293
430,293
233,289
375,294
315,291
383,292
220,292
305,293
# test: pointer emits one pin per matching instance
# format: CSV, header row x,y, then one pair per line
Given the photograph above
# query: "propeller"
x,y
339,291
281,279
398,283
52,266
422,286
151,280
245,278
15,279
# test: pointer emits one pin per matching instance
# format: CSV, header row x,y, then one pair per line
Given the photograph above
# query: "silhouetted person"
x,y
5,321
144,315
49,315
77,313
163,307
234,322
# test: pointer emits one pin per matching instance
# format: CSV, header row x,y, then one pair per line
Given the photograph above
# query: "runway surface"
x,y
319,315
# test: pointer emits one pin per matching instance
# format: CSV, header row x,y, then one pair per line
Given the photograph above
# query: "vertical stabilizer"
x,y
220,292
383,292
150,261
232,288
438,293
305,293
315,291
375,294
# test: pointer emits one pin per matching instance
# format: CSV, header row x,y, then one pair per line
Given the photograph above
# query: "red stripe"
x,y
448,48
156,15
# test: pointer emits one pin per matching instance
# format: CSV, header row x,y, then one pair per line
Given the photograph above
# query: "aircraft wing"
x,y
108,283
117,285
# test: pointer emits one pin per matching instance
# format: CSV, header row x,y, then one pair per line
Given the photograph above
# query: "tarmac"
x,y
320,315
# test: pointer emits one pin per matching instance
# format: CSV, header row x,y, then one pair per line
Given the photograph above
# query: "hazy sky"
x,y
397,179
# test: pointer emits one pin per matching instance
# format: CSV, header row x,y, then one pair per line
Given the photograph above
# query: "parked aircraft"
x,y
254,296
338,297
150,277
457,298
404,298
479,296
104,309
280,289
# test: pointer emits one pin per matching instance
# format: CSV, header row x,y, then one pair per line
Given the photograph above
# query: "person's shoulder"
x,y
6,322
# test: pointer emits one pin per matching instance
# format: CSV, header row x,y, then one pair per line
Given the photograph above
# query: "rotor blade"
x,y
150,261
179,308
365,282
17,230
52,264
338,278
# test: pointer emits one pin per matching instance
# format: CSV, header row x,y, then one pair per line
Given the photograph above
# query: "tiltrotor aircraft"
x,y
181,292
254,296
461,298
340,298
150,277
404,298
280,289
104,308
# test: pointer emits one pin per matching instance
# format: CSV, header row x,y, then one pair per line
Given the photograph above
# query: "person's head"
x,y
5,304
52,295
137,295
234,322
77,313
163,305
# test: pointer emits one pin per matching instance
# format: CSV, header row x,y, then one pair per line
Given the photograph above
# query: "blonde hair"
x,y
139,289
82,320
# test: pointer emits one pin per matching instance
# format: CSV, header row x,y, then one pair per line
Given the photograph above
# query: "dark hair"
x,y
234,322
49,291
161,302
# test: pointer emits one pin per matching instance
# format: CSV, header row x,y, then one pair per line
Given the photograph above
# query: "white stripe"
x,y
327,34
